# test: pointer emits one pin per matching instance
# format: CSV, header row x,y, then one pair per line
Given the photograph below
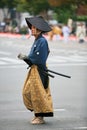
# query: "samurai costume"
x,y
36,91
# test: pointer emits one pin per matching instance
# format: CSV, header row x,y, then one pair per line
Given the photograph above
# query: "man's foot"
x,y
33,118
37,120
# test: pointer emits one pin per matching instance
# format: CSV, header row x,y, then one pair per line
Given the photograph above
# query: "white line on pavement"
x,y
7,59
60,109
13,66
3,63
80,128
66,64
52,61
67,59
5,53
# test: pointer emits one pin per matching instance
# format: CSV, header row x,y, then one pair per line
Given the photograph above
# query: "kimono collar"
x,y
40,35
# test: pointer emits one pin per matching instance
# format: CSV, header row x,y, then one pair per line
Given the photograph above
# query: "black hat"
x,y
39,23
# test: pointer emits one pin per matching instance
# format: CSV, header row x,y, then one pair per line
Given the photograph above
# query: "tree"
x,y
68,9
63,8
57,3
8,5
34,7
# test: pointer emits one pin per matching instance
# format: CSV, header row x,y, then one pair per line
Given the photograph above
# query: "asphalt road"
x,y
69,95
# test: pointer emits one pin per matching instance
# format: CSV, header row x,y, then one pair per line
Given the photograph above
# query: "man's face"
x,y
35,32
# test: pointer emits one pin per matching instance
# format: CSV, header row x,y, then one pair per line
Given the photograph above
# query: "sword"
x,y
23,57
45,72
59,73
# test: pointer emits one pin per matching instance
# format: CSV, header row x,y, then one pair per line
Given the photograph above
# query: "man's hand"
x,y
21,56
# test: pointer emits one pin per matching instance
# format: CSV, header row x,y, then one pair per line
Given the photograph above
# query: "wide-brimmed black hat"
x,y
39,23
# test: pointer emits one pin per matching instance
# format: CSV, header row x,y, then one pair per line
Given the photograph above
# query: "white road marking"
x,y
57,60
78,58
11,60
65,64
70,60
73,58
80,128
13,66
5,53
2,63
60,109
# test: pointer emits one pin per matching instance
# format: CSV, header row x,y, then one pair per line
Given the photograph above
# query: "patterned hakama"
x,y
35,97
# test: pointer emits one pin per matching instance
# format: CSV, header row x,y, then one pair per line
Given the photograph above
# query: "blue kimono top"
x,y
39,52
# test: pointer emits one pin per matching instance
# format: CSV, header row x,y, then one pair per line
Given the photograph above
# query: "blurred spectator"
x,y
66,32
8,28
81,32
57,31
2,26
16,30
70,24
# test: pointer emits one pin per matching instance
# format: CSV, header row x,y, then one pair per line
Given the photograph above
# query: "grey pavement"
x,y
69,95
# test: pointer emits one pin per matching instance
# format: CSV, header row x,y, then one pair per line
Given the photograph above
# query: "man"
x,y
36,91
66,33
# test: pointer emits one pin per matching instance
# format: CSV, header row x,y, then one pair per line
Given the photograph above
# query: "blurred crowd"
x,y
8,28
79,30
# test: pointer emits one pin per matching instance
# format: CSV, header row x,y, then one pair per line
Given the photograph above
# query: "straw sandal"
x,y
33,118
37,120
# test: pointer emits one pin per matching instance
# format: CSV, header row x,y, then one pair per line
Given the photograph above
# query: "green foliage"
x,y
7,3
37,6
76,2
32,6
66,9
64,12
82,18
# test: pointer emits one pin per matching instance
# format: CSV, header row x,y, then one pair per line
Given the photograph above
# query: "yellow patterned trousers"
x,y
35,97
